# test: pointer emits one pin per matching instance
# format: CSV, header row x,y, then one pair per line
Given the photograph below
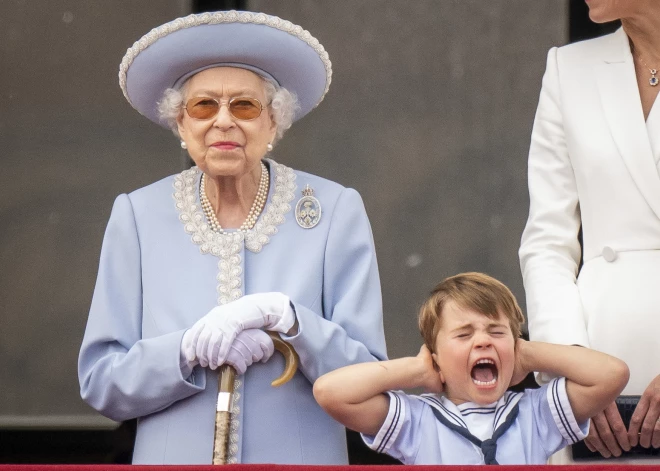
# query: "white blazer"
x,y
591,165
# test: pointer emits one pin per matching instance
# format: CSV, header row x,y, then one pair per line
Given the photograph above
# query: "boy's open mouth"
x,y
484,372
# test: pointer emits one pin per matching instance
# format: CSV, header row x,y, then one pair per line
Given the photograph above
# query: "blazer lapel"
x,y
619,94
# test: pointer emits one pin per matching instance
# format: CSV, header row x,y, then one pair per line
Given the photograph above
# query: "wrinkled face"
x,y
602,11
475,355
224,145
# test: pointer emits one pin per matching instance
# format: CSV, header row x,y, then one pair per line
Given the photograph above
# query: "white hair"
x,y
282,107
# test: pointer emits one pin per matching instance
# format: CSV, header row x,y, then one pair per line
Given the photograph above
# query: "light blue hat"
x,y
267,45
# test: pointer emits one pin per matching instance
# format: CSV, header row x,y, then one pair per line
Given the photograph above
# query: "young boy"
x,y
472,354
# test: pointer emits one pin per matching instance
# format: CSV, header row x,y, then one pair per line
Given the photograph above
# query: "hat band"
x,y
262,73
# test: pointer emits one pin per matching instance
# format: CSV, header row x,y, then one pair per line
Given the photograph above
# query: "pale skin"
x,y
228,150
354,395
641,22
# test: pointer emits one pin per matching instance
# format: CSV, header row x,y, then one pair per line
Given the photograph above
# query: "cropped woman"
x,y
194,267
594,165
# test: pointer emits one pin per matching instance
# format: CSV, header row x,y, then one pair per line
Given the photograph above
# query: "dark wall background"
x,y
428,116
69,145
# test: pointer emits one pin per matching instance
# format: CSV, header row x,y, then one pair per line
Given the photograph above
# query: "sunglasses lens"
x,y
240,108
202,107
245,108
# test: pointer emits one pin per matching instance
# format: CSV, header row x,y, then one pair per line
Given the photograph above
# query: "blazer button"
x,y
609,254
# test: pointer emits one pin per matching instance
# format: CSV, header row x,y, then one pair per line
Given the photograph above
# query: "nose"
x,y
482,340
224,119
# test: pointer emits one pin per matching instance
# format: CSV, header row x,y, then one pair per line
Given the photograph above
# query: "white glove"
x,y
250,346
210,338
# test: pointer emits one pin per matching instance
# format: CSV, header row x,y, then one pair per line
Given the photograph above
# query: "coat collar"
x,y
616,47
186,197
622,108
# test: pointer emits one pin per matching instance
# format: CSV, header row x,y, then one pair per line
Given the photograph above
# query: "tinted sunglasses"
x,y
240,107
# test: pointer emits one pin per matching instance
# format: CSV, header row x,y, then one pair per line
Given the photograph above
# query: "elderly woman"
x,y
594,164
195,267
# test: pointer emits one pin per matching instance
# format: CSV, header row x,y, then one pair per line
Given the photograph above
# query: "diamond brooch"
x,y
308,209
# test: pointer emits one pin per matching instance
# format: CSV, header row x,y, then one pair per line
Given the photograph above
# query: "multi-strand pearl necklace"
x,y
255,210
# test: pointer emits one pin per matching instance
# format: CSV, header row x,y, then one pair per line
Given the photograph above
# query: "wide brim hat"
x,y
267,45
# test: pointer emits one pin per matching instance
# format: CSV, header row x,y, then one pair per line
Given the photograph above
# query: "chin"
x,y
598,19
601,14
225,167
483,395
484,398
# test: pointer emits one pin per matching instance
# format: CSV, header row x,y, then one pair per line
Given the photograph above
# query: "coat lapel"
x,y
619,94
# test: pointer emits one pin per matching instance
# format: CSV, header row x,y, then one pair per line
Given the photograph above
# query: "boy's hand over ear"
x,y
432,378
520,370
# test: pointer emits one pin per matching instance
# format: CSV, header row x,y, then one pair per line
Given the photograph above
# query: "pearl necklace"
x,y
255,210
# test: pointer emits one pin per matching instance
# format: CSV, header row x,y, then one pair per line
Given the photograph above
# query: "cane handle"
x,y
290,359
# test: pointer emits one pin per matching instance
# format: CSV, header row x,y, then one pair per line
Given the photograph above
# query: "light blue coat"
x,y
161,269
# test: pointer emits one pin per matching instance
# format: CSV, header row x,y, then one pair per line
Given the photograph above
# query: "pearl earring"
x,y
184,145
269,147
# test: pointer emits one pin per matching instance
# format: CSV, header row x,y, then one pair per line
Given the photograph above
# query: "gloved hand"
x,y
248,347
210,338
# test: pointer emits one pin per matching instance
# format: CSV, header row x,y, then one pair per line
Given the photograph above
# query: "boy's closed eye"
x,y
498,333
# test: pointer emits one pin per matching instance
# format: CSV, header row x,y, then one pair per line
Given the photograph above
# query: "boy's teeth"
x,y
484,383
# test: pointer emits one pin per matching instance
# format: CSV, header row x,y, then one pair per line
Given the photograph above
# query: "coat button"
x,y
609,254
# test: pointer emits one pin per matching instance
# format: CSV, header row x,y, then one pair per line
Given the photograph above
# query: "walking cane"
x,y
226,380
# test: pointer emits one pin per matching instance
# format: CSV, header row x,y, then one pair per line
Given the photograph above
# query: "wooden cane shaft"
x,y
221,442
226,380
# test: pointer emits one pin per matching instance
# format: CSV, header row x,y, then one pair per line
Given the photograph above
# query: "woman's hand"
x,y
607,434
644,426
431,380
250,346
211,337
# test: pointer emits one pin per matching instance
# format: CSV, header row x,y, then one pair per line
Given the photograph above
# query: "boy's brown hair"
x,y
476,291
